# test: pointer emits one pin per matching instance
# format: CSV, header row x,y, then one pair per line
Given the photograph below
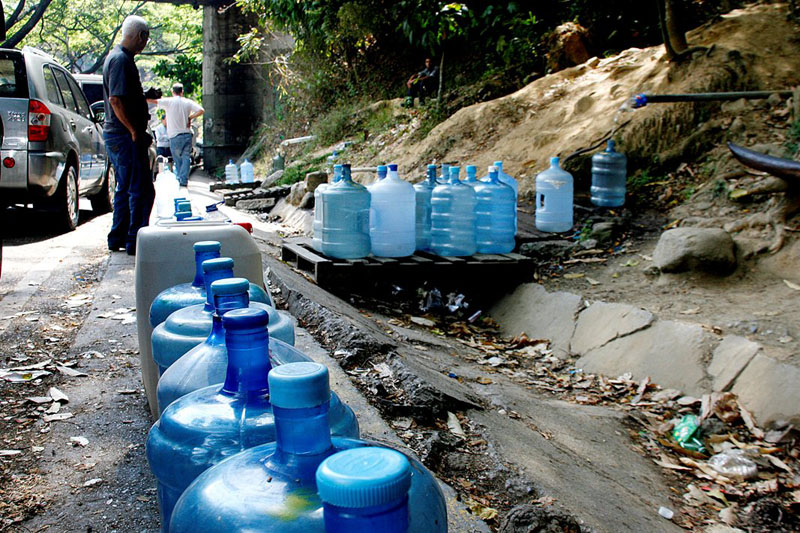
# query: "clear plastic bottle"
x,y
392,229
345,218
554,199
273,487
316,241
609,176
208,425
246,170
453,218
213,213
186,328
423,190
445,177
231,172
495,215
167,189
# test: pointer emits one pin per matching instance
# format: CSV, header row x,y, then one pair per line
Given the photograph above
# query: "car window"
x,y
66,92
83,105
53,95
93,91
13,82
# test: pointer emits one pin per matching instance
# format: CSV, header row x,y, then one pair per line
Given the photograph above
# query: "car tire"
x,y
66,200
103,201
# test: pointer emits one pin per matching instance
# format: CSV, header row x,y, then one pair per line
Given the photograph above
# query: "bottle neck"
x,y
248,362
387,518
211,277
217,335
432,176
303,431
199,257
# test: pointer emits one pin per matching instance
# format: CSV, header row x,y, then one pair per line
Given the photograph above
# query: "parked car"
x,y
52,145
92,85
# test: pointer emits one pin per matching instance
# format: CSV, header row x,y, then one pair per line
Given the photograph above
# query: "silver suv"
x,y
52,144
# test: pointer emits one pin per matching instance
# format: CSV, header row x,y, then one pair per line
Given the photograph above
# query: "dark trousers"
x,y
422,89
163,150
133,198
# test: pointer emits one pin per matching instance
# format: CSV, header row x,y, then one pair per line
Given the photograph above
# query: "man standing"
x,y
126,137
422,84
180,113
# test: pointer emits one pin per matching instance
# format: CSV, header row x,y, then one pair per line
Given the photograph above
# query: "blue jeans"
x,y
133,198
181,147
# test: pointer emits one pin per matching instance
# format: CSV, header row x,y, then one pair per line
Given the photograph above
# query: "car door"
x,y
98,149
78,126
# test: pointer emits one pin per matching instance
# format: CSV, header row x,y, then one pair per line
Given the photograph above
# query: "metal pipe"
x,y
641,100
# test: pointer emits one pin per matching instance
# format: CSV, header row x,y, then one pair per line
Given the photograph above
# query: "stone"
x,y
735,106
530,309
259,204
297,193
603,322
768,389
729,359
547,250
567,46
710,250
603,232
527,518
315,179
671,353
307,202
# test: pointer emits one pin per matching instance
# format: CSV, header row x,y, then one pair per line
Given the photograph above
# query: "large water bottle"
x,y
345,218
609,176
445,177
316,241
495,215
167,189
554,199
364,490
179,296
472,176
424,189
273,487
247,171
206,426
453,218
504,178
231,172
186,328
392,228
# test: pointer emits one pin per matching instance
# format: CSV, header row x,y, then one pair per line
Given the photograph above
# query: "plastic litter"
x,y
734,463
686,434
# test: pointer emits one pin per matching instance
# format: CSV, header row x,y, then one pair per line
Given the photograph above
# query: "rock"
x,y
315,179
774,100
729,358
603,322
603,232
307,202
737,126
769,149
260,204
567,45
736,106
547,250
529,518
297,193
711,250
272,178
768,388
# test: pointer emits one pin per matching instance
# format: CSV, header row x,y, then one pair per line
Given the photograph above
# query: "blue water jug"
x,y
609,176
503,177
247,171
472,176
206,426
316,241
554,199
231,172
186,328
345,218
453,218
365,490
445,177
273,487
423,190
495,215
392,228
186,294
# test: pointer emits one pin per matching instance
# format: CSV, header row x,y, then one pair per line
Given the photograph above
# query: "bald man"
x,y
126,137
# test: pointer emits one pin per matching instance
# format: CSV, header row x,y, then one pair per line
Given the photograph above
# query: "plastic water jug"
x,y
165,257
246,170
277,162
453,218
231,172
392,228
167,189
445,177
609,176
554,199
504,178
345,218
495,215
206,426
316,240
364,490
213,213
273,487
472,176
179,296
186,328
424,189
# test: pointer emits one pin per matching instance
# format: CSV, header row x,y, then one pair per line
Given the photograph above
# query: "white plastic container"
x,y
392,216
231,172
554,191
246,170
167,189
165,257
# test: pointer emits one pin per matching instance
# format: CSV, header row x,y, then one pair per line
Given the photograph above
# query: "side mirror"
x,y
98,112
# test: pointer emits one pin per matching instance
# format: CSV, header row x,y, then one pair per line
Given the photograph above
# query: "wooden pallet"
x,y
327,272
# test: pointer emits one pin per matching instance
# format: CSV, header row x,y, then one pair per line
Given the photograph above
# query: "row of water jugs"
x,y
250,436
232,172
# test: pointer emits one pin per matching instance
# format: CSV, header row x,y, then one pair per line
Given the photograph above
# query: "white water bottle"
x,y
231,172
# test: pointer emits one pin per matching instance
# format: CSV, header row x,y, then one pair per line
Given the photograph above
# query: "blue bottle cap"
x,y
554,162
206,246
431,167
498,164
337,166
228,286
381,168
364,477
220,263
611,144
471,169
245,318
299,385
393,167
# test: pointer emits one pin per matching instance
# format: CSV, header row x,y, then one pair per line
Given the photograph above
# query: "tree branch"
x,y
15,39
14,15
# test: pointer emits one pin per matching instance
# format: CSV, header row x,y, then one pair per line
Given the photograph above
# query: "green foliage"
x,y
640,180
295,173
348,120
792,144
185,69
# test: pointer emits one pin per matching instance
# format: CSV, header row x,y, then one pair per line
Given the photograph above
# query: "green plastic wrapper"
x,y
685,434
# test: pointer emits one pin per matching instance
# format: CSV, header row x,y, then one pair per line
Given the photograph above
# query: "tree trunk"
x,y
15,39
2,23
677,36
441,76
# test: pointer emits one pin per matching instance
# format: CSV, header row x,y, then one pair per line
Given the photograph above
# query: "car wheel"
x,y
66,199
103,201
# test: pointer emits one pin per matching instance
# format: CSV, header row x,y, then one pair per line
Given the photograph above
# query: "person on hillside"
x,y
126,138
422,84
180,114
162,139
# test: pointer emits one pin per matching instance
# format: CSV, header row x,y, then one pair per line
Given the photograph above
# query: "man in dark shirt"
x,y
422,84
126,137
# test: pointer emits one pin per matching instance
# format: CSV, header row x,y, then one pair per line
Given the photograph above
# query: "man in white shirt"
x,y
180,113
